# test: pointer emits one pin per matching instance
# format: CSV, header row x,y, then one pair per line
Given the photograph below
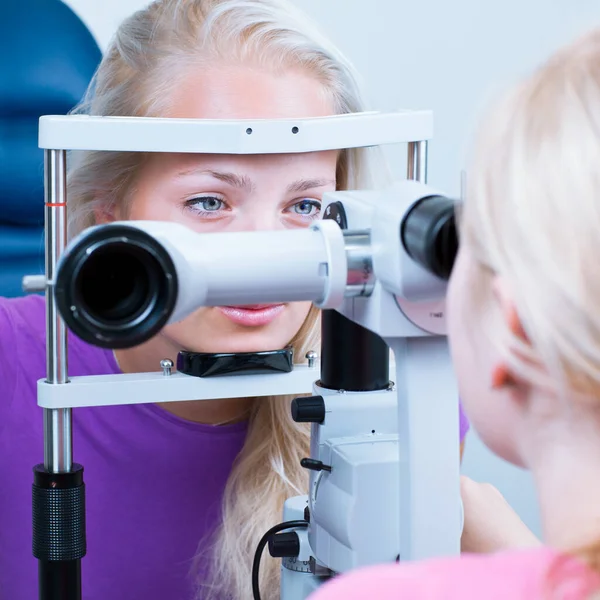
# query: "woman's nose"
x,y
258,221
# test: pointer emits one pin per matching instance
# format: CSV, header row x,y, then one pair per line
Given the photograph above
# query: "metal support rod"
x,y
58,491
58,443
417,161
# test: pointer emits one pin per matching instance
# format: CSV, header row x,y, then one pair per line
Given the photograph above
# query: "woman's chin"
x,y
217,330
242,342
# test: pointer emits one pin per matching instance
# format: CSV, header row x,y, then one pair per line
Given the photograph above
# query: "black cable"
x,y
261,546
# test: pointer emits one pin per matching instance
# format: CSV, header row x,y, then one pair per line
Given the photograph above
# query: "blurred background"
x,y
450,57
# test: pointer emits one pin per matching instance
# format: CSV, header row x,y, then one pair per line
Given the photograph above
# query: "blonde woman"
x,y
178,495
525,336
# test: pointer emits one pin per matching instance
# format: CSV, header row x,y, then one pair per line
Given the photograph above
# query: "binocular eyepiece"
x,y
429,235
118,285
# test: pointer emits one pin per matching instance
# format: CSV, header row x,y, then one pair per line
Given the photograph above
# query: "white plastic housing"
x,y
401,283
428,434
347,416
250,136
357,503
361,412
396,270
152,388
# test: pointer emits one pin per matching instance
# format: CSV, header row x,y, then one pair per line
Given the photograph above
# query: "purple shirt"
x,y
154,482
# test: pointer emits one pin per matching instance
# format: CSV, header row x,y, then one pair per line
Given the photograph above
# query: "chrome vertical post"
x,y
58,505
417,161
58,442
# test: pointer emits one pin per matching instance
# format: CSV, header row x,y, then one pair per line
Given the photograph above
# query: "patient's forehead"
x,y
182,166
244,92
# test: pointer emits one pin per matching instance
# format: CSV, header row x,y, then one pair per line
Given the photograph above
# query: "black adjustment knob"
x,y
284,545
308,410
314,465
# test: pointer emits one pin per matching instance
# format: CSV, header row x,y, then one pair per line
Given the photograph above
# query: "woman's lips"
x,y
252,316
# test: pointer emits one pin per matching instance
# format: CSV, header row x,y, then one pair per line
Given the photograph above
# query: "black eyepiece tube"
x,y
116,287
429,235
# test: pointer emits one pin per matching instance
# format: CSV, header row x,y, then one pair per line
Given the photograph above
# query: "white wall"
x,y
439,55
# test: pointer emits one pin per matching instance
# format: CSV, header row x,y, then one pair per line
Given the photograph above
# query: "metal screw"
x,y
311,356
166,364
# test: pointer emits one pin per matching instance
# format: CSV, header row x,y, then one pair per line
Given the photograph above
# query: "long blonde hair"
x,y
533,207
151,49
532,214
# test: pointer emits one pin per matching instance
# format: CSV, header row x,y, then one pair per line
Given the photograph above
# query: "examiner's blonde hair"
x,y
532,215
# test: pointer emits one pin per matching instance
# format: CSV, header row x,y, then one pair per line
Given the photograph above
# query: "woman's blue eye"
x,y
210,204
206,203
307,207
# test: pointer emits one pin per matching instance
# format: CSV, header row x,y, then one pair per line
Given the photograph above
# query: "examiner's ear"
x,y
503,375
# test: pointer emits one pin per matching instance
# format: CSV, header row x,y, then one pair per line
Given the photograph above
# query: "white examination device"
x,y
384,461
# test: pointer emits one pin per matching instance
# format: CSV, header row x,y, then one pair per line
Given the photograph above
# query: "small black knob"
x,y
284,545
308,410
314,465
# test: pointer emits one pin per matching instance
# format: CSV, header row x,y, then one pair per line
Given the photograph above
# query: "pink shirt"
x,y
539,574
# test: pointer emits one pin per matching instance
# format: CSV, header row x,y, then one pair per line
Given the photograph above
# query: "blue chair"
x,y
47,59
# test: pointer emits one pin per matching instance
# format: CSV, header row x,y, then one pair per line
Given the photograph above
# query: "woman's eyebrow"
x,y
233,179
308,184
244,182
